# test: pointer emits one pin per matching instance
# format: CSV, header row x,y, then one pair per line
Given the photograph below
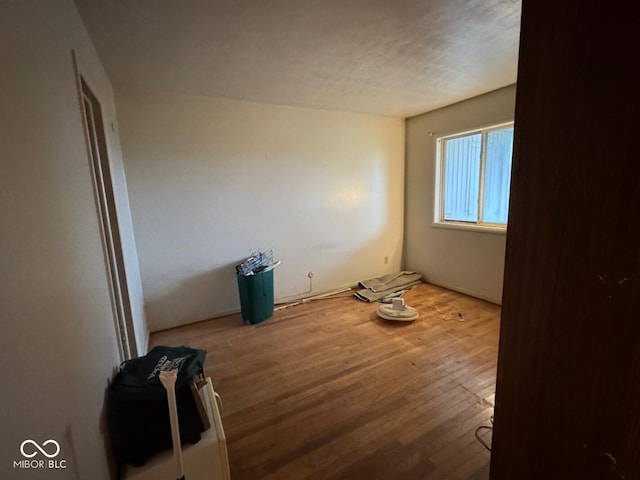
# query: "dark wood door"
x,y
568,389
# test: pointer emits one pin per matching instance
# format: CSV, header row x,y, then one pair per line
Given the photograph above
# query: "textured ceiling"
x,y
385,57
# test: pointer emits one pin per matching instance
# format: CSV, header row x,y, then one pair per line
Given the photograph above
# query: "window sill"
x,y
471,227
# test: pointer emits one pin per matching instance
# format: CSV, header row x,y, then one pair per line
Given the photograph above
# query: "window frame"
x,y
438,220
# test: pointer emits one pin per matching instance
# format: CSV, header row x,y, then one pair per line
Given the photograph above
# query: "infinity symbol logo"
x,y
40,448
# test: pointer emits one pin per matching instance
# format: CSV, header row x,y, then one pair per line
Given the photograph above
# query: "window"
x,y
473,175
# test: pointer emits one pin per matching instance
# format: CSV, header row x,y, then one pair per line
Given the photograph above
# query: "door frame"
x,y
98,155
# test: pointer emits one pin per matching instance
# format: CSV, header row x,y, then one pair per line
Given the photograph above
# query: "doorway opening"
x,y
106,206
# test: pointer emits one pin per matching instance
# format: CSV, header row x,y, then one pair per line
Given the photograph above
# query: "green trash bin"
x,y
256,295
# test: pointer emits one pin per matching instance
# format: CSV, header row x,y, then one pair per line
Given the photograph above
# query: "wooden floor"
x,y
326,390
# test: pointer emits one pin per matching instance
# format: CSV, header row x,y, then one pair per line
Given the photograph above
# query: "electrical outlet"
x,y
386,260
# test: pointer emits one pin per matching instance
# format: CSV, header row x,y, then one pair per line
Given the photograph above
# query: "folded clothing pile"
x,y
388,286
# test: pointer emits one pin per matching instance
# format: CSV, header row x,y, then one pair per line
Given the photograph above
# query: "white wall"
x,y
57,342
212,179
469,262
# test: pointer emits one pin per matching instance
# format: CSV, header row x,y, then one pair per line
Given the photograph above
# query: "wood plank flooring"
x,y
327,390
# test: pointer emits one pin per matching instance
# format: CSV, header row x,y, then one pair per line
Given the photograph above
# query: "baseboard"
x,y
222,313
310,295
281,301
464,291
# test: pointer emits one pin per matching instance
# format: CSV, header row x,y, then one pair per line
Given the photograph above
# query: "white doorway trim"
x,y
98,155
